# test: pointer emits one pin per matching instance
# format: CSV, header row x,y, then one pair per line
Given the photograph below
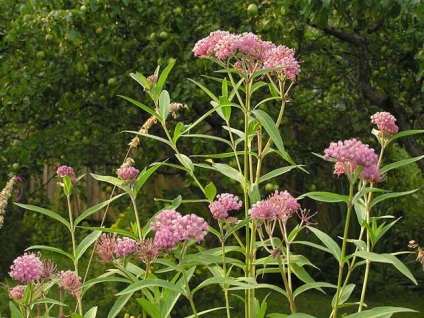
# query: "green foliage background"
x,y
63,63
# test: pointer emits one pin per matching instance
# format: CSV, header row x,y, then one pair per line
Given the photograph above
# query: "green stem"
x,y
74,249
137,220
343,252
289,277
224,269
184,274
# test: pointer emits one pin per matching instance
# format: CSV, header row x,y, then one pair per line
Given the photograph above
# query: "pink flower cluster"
x,y
128,174
17,292
385,122
224,203
65,171
171,228
27,268
351,154
70,281
278,206
110,247
248,46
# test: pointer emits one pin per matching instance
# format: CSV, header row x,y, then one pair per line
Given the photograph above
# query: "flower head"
x,y
125,246
282,56
65,171
278,206
4,196
105,247
224,203
171,228
69,281
17,292
371,174
349,155
385,122
148,251
128,174
27,268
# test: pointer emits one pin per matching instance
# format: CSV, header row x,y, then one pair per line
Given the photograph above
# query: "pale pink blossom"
x,y
371,174
385,122
27,268
278,206
224,203
17,292
70,281
148,251
191,226
283,57
105,247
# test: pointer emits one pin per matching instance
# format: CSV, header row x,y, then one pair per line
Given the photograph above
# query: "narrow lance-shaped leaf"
x,y
164,104
95,208
144,107
270,127
46,212
86,243
389,196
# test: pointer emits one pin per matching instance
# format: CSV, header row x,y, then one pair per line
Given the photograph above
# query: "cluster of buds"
x,y
4,197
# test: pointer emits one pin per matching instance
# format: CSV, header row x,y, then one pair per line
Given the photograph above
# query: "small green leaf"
x,y
91,313
162,78
185,161
177,131
347,291
149,282
151,309
14,310
275,173
228,171
207,91
400,163
145,175
331,245
404,134
67,185
254,194
210,191
164,102
118,305
141,79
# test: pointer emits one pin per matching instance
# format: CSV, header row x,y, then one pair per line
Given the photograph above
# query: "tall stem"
x,y
343,252
184,274
74,248
137,220
224,269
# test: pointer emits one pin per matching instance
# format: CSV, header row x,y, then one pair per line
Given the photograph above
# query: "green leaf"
x,y
331,245
149,282
144,176
118,305
14,311
112,180
141,79
270,127
207,91
254,194
86,242
111,230
379,312
313,285
326,196
91,313
404,134
389,196
400,163
163,140
275,173
162,78
149,307
51,249
164,101
67,185
49,213
210,191
347,291
185,161
95,208
228,171
144,107
177,131
388,259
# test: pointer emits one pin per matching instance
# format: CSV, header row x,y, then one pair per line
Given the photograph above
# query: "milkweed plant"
x,y
156,262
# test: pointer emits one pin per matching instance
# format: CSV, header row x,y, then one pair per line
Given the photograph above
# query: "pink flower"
x,y
385,122
191,226
371,174
125,246
27,268
129,173
105,247
282,56
350,154
65,171
225,202
148,251
17,292
206,47
278,206
69,281
171,228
